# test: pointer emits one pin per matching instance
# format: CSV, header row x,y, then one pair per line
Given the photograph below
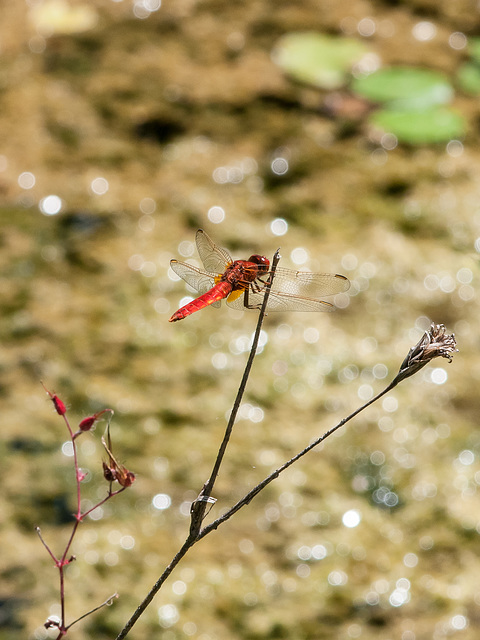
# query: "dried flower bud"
x,y
118,472
60,407
114,470
109,473
125,478
433,344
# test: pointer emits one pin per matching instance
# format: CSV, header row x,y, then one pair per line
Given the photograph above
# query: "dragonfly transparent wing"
x,y
307,284
293,291
199,280
214,258
278,302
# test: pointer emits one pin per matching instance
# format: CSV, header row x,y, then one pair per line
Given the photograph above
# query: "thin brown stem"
x,y
107,603
266,481
50,552
199,506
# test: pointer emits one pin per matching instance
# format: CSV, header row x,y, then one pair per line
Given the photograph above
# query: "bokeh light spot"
x,y
161,501
216,214
279,227
50,205
99,186
424,31
351,518
26,180
279,166
299,255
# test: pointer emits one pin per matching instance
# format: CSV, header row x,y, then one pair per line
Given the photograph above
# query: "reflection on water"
x,y
373,534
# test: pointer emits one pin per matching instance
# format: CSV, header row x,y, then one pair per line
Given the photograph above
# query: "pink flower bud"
x,y
87,423
60,407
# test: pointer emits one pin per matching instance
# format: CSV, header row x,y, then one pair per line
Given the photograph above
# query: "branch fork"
x,y
434,343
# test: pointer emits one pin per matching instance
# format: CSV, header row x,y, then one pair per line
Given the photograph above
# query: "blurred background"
x,y
345,133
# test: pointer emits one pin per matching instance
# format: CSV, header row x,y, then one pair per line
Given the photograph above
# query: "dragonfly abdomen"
x,y
216,293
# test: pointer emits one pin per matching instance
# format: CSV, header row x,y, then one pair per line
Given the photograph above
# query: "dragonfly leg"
x,y
256,288
246,303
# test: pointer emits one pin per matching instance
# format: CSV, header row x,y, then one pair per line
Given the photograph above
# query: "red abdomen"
x,y
218,292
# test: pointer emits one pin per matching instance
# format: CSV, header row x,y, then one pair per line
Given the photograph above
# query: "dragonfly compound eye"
x,y
262,261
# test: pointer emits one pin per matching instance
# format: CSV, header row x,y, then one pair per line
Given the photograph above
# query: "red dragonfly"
x,y
244,282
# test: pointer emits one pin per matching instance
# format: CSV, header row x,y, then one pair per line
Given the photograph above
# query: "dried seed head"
x,y
109,473
433,344
125,478
116,471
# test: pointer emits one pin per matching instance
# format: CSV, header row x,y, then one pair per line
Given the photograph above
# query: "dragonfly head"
x,y
262,261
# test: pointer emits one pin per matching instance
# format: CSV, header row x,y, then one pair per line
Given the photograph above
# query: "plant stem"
x,y
193,537
200,504
266,481
434,343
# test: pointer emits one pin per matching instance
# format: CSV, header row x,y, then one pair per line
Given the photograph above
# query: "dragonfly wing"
x,y
214,258
308,285
278,301
292,291
199,280
291,302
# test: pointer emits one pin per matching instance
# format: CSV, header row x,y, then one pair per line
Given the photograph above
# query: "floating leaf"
x,y
438,124
474,48
58,17
468,78
405,88
317,59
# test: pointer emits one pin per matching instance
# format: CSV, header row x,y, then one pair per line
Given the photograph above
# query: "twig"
x,y
434,343
200,504
107,603
266,481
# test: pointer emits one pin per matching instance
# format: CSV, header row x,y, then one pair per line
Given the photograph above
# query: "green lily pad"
x,y
317,59
474,48
58,17
438,124
405,88
468,78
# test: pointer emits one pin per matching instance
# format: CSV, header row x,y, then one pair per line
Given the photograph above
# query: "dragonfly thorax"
x,y
240,273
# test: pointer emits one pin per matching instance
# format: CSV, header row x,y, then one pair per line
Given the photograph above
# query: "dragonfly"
x,y
243,283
